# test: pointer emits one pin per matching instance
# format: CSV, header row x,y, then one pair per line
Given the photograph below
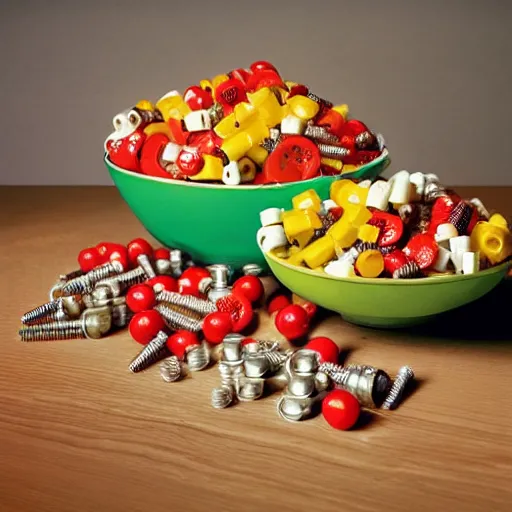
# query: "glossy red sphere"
x,y
190,281
341,409
326,348
163,283
162,254
197,98
292,321
189,162
145,325
250,286
240,309
181,341
89,258
140,297
216,326
277,303
137,247
262,65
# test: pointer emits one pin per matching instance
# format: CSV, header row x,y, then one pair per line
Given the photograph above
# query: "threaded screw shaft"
x,y
171,369
177,321
321,134
335,152
201,306
135,276
404,376
222,397
41,311
150,354
85,283
198,358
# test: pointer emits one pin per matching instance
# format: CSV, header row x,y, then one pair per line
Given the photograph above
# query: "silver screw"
x,y
145,264
319,133
177,320
150,354
64,278
71,305
95,322
126,279
404,376
335,152
222,397
171,369
85,283
121,315
176,259
200,306
252,269
198,357
218,285
480,208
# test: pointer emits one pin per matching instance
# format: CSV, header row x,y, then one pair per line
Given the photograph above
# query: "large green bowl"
x,y
214,223
386,303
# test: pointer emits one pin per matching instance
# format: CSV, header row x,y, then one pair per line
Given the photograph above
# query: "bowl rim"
x,y
382,157
442,278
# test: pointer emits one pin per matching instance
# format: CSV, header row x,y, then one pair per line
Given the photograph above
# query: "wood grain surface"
x,y
79,432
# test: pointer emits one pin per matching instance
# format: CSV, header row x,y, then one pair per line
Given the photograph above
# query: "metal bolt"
x,y
64,278
145,264
319,133
404,376
335,152
171,369
250,389
480,208
121,315
218,286
95,322
126,279
71,305
198,357
200,306
85,283
222,397
216,113
367,383
252,269
177,321
104,293
150,354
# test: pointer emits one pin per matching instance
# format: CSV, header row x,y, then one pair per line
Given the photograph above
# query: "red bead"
x,y
328,350
145,325
197,98
125,152
114,252
181,342
162,253
394,260
391,227
89,258
292,322
150,163
309,306
333,121
262,65
264,78
230,93
140,297
240,309
137,247
189,162
441,211
190,281
277,303
341,409
250,286
216,326
423,249
163,283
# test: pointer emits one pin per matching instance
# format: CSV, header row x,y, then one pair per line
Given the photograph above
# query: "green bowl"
x,y
386,303
214,223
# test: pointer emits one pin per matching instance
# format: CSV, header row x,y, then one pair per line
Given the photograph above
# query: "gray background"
x,y
434,77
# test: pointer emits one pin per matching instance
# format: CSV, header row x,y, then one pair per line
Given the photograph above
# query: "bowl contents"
x,y
409,226
248,126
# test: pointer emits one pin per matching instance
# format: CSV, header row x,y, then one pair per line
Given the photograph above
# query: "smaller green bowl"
x,y
384,302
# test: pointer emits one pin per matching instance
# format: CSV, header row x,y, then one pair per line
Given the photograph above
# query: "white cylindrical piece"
x,y
400,188
378,195
171,152
443,258
365,183
270,216
460,244
231,174
271,237
291,124
328,204
198,121
340,268
445,232
470,262
418,182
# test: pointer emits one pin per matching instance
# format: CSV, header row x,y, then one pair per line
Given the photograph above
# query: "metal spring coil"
x,y
72,329
203,307
321,101
84,284
361,246
198,358
135,276
405,374
334,152
150,353
41,311
276,359
171,369
321,134
407,271
222,397
460,217
177,321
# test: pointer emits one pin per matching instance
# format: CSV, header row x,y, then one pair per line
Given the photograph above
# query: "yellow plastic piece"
x,y
296,258
217,80
370,263
258,154
212,169
303,107
236,147
290,84
492,240
297,221
357,214
335,164
268,106
319,252
145,105
343,233
341,109
172,106
368,233
346,193
206,85
307,199
153,128
498,220
257,131
349,168
247,169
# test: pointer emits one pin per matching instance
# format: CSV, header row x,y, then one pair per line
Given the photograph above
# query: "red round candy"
x,y
189,162
125,152
341,409
441,210
423,249
328,350
250,286
190,281
292,322
163,283
216,326
162,254
240,74
181,341
145,325
197,98
262,65
230,93
391,227
89,258
277,303
333,121
137,247
114,252
296,158
264,78
150,155
140,297
240,309
394,260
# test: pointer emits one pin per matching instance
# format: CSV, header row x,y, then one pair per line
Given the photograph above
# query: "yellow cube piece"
x,y
172,106
206,85
346,193
341,109
296,258
152,128
347,168
145,105
258,154
211,171
343,233
307,199
257,131
319,252
303,107
368,233
297,221
357,214
268,106
370,263
493,241
302,239
498,220
335,164
238,146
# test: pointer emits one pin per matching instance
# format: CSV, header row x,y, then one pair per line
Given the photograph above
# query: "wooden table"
x,y
79,432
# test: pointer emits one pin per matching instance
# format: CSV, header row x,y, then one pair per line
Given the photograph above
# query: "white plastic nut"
x,y
400,188
443,258
171,152
271,237
231,174
460,244
470,262
124,125
445,232
378,195
418,182
270,216
198,121
340,268
291,124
